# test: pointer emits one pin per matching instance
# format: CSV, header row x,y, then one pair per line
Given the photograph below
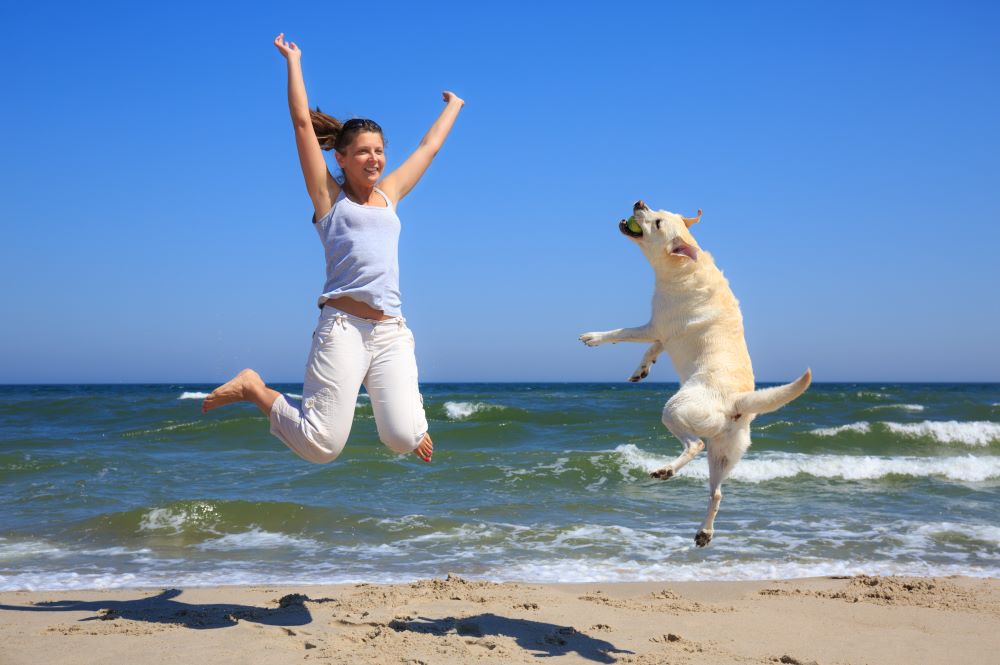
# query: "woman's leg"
x,y
247,386
316,427
395,394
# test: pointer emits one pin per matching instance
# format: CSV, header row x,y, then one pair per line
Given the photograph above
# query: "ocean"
x,y
130,485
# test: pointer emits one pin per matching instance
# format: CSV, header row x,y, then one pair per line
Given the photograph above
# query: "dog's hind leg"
x,y
692,446
642,371
720,462
685,414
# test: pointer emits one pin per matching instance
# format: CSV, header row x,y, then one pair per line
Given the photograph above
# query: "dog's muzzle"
x,y
623,227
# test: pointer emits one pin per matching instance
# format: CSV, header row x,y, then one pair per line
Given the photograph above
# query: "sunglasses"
x,y
361,123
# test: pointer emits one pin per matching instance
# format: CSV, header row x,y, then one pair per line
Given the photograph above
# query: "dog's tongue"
x,y
681,248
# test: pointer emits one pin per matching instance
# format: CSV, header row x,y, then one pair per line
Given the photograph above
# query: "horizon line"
x,y
480,382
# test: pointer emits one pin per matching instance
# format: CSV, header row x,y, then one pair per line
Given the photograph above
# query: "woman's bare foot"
x,y
238,389
426,448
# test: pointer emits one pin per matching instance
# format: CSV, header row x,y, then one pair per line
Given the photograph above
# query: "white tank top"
x,y
362,253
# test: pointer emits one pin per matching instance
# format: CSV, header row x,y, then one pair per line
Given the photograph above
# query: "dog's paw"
x,y
592,338
639,375
702,538
666,473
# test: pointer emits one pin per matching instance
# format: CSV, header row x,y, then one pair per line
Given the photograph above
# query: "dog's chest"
x,y
676,312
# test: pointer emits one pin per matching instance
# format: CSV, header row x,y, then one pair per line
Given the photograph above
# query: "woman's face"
x,y
363,161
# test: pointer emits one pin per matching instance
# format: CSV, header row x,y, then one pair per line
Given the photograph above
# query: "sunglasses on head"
x,y
361,123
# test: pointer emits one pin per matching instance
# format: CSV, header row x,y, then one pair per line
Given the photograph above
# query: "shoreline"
x,y
860,619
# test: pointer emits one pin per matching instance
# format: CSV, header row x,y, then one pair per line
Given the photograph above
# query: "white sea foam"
x,y
859,428
614,569
117,551
484,532
35,549
774,466
401,523
640,542
556,553
986,533
973,433
255,539
870,394
462,410
900,407
175,519
162,518
556,467
574,569
28,549
965,469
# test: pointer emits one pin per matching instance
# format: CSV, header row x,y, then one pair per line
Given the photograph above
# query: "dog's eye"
x,y
658,223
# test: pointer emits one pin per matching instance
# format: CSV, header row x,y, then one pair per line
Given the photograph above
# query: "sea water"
x,y
130,485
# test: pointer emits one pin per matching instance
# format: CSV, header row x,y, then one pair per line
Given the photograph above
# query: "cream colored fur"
x,y
696,319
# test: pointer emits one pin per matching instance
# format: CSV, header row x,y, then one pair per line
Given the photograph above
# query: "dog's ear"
x,y
690,221
681,248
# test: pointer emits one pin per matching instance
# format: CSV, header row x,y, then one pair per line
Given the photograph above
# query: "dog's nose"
x,y
639,205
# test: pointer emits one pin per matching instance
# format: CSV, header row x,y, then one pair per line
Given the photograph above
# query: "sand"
x,y
876,620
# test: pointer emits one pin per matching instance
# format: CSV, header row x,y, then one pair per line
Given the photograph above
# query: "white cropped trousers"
x,y
348,351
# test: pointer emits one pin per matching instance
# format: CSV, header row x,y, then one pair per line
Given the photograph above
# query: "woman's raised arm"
x,y
399,183
322,188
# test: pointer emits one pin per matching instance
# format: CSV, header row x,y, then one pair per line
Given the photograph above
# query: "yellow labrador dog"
x,y
696,319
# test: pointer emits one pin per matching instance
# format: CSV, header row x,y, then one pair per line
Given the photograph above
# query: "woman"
x,y
361,337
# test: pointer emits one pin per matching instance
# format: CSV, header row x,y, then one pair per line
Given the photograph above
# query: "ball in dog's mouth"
x,y
630,227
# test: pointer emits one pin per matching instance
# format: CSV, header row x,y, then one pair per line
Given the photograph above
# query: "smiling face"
x,y
661,234
363,160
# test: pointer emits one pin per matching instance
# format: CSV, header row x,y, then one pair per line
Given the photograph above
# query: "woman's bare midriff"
x,y
356,308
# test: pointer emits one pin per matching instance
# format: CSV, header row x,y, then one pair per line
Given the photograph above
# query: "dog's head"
x,y
663,236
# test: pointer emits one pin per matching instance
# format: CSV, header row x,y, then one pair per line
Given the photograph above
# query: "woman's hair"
x,y
335,135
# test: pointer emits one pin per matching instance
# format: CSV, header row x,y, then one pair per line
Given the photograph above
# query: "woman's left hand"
x,y
289,50
450,97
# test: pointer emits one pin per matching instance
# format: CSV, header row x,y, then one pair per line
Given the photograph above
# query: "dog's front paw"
x,y
592,338
639,374
666,473
703,538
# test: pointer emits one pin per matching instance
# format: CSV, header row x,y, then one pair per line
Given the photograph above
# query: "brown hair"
x,y
335,135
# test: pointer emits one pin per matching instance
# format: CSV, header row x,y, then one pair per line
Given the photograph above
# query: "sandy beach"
x,y
884,620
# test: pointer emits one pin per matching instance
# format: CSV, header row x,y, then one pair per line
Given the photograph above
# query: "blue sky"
x,y
156,228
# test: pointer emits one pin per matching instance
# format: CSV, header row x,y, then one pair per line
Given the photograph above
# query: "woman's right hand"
x,y
450,97
288,49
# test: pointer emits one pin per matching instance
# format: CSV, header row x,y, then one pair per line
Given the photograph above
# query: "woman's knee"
x,y
400,441
313,446
325,447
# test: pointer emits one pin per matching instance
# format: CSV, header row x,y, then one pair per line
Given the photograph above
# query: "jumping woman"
x,y
361,337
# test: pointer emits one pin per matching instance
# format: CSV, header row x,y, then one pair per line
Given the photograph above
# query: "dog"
x,y
696,319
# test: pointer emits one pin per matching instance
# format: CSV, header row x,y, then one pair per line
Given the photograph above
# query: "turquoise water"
x,y
107,486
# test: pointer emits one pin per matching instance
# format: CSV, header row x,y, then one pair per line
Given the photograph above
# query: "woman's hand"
x,y
288,49
452,98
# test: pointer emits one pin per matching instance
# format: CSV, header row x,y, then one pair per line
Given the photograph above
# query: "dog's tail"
x,y
772,399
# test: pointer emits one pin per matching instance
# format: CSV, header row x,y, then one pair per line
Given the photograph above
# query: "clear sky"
x,y
155,226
